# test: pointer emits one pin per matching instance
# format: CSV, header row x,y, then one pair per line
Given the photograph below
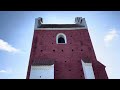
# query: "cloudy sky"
x,y
16,33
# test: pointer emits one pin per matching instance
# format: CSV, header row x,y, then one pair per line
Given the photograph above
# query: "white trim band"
x,y
61,28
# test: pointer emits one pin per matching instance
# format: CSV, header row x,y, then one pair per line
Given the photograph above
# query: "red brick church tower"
x,y
63,51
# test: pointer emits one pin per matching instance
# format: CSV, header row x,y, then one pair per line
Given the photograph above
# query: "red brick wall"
x,y
67,62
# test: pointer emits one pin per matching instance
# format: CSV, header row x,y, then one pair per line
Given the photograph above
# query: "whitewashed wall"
x,y
88,70
42,72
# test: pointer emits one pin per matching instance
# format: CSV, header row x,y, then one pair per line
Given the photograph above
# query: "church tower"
x,y
63,51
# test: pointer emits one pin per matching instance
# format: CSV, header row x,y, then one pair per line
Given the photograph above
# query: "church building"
x,y
63,51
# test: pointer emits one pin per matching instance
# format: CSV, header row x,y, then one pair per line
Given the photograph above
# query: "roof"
x,y
43,62
60,25
86,61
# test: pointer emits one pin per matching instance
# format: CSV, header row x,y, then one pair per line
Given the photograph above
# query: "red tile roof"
x,y
43,62
86,61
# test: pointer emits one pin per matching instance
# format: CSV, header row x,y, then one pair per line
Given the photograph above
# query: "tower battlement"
x,y
80,23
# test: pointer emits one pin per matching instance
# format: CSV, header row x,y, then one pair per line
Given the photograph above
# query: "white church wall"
x,y
88,70
42,72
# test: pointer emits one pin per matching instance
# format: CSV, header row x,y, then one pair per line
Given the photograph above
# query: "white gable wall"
x,y
42,72
88,70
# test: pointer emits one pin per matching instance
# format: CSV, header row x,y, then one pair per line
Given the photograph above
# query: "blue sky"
x,y
16,33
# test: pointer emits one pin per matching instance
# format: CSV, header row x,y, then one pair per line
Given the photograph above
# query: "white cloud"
x,y
111,35
3,71
6,71
7,47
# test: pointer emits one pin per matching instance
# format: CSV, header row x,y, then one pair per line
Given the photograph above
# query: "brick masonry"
x,y
68,56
